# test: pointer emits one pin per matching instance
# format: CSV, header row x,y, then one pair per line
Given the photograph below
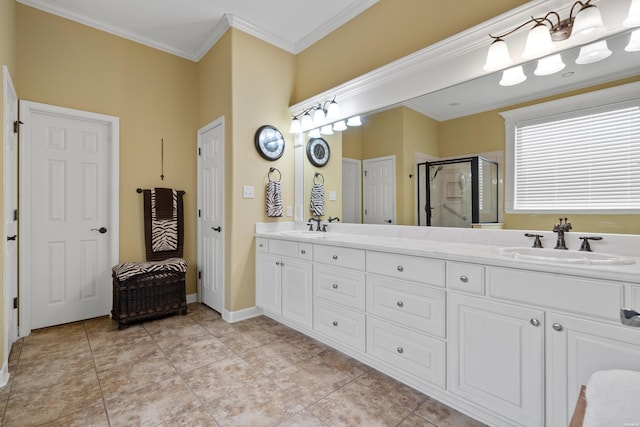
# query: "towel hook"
x,y
271,170
316,175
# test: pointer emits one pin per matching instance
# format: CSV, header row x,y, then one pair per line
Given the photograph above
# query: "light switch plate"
x,y
333,195
289,211
247,192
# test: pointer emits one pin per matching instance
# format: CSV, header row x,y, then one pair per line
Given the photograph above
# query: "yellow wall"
x,y
385,32
8,58
485,132
64,63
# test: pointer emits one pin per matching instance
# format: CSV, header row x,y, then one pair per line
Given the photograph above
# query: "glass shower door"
x,y
450,194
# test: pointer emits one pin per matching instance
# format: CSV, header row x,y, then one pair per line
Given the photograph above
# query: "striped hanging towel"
x,y
164,219
274,199
317,199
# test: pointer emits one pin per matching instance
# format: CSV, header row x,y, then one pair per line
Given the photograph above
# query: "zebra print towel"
x,y
172,239
127,270
164,219
317,199
274,199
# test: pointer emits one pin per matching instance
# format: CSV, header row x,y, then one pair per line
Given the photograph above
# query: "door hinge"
x,y
16,126
199,275
365,212
365,173
199,213
15,214
15,302
199,151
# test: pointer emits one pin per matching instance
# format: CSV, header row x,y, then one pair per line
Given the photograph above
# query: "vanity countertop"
x,y
469,245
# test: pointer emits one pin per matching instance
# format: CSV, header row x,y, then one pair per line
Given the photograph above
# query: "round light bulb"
x,y
513,76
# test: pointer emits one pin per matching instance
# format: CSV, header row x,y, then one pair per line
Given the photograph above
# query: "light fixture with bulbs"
x,y
583,25
315,116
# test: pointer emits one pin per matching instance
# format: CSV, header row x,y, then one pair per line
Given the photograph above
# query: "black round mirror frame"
x,y
318,152
269,142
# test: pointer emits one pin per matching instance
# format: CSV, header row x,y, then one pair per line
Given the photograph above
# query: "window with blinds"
x,y
581,161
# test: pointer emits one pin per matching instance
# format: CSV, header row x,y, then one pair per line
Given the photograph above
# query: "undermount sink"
x,y
305,233
564,256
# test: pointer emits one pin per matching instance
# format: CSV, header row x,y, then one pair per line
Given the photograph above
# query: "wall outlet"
x,y
289,211
247,192
333,195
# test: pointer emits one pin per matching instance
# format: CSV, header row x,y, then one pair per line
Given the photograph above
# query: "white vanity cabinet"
x,y
576,349
284,279
496,357
339,295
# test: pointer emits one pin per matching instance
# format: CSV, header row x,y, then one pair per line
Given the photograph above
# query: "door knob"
x,y
12,237
218,228
100,230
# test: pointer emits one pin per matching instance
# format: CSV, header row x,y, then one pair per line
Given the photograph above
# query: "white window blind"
x,y
586,160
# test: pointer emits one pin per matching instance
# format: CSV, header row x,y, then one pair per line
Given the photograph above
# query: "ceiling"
x,y
189,28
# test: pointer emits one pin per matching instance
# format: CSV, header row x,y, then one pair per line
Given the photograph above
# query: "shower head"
x,y
438,169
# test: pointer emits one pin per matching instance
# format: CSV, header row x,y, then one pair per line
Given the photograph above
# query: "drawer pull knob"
x,y
260,245
557,327
334,286
534,321
400,304
400,268
303,252
335,257
334,323
282,264
400,350
464,279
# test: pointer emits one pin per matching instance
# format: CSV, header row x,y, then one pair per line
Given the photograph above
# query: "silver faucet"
x,y
561,228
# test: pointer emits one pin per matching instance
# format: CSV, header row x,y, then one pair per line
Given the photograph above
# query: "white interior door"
x,y
210,214
10,203
351,191
380,190
68,190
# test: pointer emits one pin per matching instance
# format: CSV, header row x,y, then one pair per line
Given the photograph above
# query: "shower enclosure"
x,y
458,192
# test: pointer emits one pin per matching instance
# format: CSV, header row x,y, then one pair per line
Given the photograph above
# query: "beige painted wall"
x,y
387,31
64,63
8,58
485,132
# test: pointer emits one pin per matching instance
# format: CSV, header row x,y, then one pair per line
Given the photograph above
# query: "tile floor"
x,y
197,370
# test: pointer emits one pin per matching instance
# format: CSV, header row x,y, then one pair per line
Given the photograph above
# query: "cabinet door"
x,y
268,273
496,357
297,291
577,349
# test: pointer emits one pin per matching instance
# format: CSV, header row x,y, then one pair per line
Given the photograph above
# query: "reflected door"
x,y
380,190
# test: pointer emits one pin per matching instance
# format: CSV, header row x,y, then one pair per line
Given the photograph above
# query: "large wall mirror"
x,y
458,121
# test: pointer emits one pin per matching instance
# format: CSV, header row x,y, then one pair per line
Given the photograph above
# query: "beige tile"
x,y
199,352
199,417
245,340
358,405
152,405
172,338
415,421
220,378
219,328
169,322
111,336
275,356
125,351
343,363
201,313
303,419
94,416
398,392
310,380
36,374
37,406
443,416
259,404
14,355
130,377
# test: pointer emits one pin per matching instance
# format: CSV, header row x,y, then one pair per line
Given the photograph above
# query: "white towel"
x,y
317,199
613,399
274,199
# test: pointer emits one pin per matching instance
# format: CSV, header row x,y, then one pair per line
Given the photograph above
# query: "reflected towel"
x,y
274,199
317,199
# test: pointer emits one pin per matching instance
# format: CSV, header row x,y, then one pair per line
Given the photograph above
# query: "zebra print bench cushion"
x,y
127,270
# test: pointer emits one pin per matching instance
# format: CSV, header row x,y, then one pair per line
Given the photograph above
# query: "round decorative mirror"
x,y
269,142
318,152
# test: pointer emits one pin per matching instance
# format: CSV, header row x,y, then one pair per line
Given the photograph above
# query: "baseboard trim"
x,y
191,298
4,375
239,315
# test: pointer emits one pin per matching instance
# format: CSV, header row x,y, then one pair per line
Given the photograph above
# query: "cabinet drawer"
x,y
417,354
262,244
283,247
580,295
305,251
341,324
465,277
340,285
415,306
632,299
407,267
341,257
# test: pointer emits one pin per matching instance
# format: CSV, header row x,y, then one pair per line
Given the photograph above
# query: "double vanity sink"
x,y
472,317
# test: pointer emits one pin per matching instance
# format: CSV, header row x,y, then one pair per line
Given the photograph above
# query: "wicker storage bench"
x,y
148,295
